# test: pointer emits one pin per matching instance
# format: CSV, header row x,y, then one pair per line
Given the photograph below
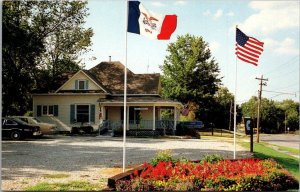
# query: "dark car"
x,y
16,129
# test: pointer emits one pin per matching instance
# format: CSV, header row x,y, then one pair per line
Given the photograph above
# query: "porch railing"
x,y
138,125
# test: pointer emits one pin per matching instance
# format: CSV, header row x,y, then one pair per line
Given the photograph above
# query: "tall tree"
x,y
20,48
190,73
41,40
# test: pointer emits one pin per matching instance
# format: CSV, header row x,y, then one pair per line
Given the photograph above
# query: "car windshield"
x,y
35,119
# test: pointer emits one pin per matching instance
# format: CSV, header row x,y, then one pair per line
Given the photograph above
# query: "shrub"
x,y
165,155
214,158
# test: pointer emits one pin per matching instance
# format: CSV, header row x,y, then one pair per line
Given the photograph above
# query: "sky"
x,y
276,23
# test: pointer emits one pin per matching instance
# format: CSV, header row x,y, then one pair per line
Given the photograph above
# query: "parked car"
x,y
17,129
45,128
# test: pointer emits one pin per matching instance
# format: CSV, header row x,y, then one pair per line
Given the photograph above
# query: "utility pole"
x,y
261,79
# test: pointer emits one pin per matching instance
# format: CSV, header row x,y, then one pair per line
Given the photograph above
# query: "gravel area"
x,y
93,159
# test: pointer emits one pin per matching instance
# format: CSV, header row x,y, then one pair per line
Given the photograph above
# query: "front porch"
x,y
145,115
144,128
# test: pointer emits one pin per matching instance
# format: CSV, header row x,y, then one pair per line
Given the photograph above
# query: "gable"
x,y
80,82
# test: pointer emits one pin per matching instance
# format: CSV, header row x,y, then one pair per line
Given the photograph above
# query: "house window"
x,y
50,110
81,85
47,110
82,113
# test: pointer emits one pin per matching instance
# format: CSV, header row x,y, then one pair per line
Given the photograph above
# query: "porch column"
x,y
103,112
127,121
153,126
175,118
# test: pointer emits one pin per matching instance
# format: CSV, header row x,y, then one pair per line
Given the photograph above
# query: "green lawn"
x,y
288,162
290,150
69,186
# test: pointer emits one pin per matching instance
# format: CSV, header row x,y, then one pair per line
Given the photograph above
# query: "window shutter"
x,y
76,84
86,84
92,113
56,110
38,110
72,114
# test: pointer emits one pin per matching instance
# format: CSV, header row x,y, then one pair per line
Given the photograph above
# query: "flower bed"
x,y
240,175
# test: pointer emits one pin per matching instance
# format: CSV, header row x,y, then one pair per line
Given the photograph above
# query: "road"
x,y
286,140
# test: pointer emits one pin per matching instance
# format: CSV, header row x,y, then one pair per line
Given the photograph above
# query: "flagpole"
x,y
125,89
234,119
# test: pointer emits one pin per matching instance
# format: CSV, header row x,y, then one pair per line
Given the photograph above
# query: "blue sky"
x,y
276,23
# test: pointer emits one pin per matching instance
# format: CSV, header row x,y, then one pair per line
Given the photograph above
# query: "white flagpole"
x,y
125,89
234,119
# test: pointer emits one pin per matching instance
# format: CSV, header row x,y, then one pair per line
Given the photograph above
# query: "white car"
x,y
45,128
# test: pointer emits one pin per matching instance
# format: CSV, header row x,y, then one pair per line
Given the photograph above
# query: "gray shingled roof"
x,y
110,76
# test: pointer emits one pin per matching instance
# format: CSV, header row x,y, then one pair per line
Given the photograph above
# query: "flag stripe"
x,y
133,17
168,27
248,49
240,49
253,40
248,57
254,45
245,60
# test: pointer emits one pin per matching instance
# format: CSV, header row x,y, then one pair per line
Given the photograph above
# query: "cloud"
x,y
218,14
271,16
206,13
158,4
230,14
180,2
284,47
214,46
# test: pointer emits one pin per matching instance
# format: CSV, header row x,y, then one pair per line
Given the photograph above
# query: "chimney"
x,y
109,59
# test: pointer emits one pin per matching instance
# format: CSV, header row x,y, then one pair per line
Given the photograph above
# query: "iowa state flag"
x,y
151,25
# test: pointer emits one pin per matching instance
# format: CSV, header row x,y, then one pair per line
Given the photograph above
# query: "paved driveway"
x,y
87,157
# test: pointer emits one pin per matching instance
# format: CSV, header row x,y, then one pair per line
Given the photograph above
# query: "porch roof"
x,y
139,100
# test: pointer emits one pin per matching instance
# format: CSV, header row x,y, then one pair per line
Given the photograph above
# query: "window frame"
x,y
84,84
48,110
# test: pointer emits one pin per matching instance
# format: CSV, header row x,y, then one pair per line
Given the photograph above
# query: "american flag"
x,y
248,49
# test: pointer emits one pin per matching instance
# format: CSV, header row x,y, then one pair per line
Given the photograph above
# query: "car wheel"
x,y
15,135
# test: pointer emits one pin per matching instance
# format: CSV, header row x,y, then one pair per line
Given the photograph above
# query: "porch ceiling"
x,y
139,100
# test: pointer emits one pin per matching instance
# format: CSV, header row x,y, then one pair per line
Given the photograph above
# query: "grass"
x,y
70,186
56,176
288,149
288,162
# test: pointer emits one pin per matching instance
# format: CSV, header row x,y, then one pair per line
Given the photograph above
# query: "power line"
x,y
288,86
280,92
275,69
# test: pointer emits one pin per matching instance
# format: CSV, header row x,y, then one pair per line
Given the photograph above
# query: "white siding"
x,y
64,102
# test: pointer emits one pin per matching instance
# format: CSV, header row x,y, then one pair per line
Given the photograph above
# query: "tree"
x,y
41,40
249,108
224,108
274,115
190,74
291,113
60,26
21,46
